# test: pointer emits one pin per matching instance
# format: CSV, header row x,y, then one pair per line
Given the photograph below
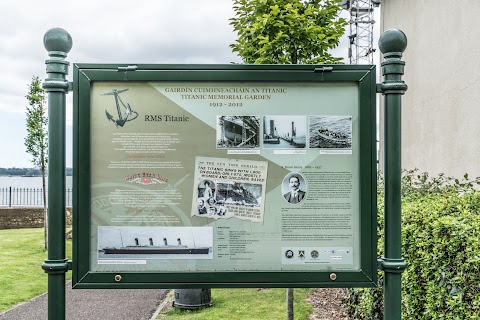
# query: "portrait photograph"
x,y
294,188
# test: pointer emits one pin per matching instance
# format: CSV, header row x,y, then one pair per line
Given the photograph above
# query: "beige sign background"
x,y
153,146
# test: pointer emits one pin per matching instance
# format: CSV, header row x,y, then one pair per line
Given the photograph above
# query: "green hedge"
x,y
441,245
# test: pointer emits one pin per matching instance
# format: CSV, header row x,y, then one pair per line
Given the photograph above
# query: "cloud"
x,y
110,31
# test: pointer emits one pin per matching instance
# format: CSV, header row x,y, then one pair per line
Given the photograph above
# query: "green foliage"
x,y
441,246
416,184
36,140
287,31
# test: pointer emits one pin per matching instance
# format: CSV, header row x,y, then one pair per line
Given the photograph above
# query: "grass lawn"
x,y
21,257
252,304
22,278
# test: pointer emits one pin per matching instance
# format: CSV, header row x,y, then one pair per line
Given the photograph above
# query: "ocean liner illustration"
x,y
155,249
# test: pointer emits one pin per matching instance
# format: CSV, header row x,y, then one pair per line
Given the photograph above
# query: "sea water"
x,y
28,182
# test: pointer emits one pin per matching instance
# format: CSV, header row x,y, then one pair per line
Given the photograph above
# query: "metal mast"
x,y
360,50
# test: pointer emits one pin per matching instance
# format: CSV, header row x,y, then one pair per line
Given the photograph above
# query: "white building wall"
x,y
441,108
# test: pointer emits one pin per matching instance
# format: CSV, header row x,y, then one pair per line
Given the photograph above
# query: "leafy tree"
x,y
36,140
287,31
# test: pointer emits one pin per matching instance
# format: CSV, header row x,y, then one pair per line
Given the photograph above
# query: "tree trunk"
x,y
294,56
45,211
289,304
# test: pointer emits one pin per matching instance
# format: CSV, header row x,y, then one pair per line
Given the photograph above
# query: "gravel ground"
x,y
327,304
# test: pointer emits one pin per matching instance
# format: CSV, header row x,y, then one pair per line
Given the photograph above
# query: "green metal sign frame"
x,y
85,75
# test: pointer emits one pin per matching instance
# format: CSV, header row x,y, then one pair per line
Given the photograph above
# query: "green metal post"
x,y
392,43
58,43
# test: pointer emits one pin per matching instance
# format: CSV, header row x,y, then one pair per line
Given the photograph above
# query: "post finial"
x,y
57,39
392,40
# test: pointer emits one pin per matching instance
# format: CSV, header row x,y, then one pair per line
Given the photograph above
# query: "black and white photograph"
x,y
229,188
294,188
209,201
284,132
238,132
206,189
330,132
115,242
240,193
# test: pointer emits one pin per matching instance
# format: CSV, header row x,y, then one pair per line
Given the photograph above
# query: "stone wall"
x,y
26,217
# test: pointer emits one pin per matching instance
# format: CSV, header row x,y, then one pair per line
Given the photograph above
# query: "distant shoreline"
x,y
27,176
26,172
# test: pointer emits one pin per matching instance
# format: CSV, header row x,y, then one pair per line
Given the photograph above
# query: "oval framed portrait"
x,y
294,188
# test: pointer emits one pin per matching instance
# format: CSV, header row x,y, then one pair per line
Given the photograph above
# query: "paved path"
x,y
93,304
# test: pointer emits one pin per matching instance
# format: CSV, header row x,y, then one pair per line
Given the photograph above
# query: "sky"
x,y
106,31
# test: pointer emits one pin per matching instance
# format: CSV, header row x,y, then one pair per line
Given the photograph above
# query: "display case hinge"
x,y
127,68
323,69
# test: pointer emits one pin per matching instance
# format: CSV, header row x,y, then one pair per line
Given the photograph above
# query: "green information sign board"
x,y
190,176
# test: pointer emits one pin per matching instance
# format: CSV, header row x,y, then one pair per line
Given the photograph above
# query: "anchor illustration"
x,y
129,113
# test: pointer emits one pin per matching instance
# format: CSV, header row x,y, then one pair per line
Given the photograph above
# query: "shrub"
x,y
442,248
440,229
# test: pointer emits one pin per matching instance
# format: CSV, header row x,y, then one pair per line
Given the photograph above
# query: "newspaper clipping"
x,y
226,188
